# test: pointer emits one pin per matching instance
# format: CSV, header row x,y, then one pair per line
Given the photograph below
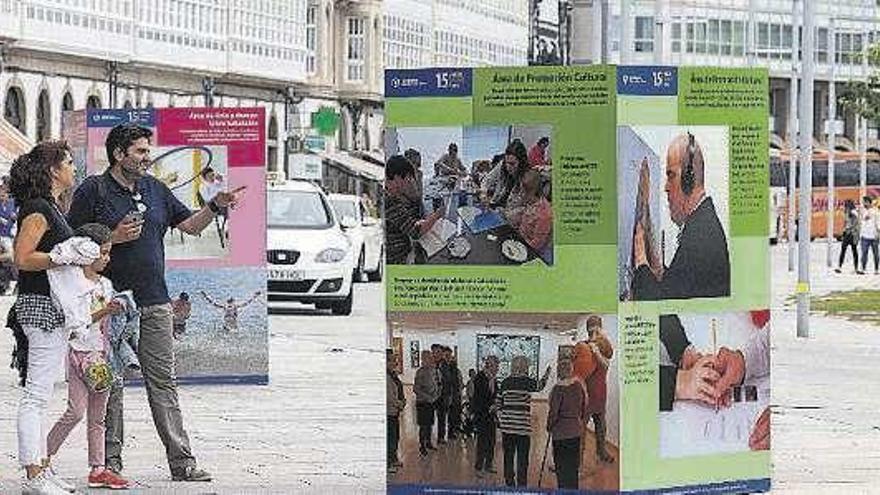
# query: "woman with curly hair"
x,y
37,182
502,180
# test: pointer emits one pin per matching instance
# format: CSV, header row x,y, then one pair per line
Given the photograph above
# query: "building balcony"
x,y
185,40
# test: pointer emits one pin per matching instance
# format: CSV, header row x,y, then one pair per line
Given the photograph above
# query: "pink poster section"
x,y
219,275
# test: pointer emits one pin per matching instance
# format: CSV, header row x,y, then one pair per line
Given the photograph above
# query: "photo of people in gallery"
x,y
503,400
469,195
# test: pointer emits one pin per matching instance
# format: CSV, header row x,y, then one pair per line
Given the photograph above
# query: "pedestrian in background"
x,y
868,232
850,235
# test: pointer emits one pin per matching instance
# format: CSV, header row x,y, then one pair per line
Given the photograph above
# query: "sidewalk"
x,y
825,427
318,426
822,279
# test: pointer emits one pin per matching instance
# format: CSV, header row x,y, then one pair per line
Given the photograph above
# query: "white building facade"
x,y
740,33
455,33
292,57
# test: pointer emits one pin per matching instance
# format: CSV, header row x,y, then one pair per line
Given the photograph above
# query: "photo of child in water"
x,y
230,309
220,321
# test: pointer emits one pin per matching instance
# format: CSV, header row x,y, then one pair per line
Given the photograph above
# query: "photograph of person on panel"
x,y
696,196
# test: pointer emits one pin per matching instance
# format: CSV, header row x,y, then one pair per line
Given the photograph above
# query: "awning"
x,y
355,165
843,143
12,144
776,141
375,157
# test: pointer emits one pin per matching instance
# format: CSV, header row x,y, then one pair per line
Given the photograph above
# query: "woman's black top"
x,y
57,231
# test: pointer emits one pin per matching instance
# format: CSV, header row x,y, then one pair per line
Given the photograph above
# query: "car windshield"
x,y
344,208
298,209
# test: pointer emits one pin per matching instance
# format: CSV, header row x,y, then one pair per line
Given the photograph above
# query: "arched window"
x,y
66,106
272,144
67,102
44,128
13,108
94,101
127,105
273,128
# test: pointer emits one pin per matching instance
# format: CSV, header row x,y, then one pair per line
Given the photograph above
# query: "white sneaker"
x,y
41,485
54,478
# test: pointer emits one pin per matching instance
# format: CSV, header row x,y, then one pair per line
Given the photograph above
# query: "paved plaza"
x,y
319,428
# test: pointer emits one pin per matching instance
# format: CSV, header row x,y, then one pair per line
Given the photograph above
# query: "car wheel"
x,y
343,307
358,275
377,275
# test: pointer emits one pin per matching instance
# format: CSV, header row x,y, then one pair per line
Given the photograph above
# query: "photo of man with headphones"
x,y
701,264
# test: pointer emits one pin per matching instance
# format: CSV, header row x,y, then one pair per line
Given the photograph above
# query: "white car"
x,y
367,240
310,259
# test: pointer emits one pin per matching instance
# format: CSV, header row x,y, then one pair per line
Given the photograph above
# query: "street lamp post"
x,y
533,28
832,131
806,179
293,141
863,149
792,136
564,36
626,35
2,56
606,58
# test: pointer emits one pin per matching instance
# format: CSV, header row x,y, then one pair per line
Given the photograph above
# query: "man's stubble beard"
x,y
134,171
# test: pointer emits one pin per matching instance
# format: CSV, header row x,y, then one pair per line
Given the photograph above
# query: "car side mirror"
x,y
370,221
348,222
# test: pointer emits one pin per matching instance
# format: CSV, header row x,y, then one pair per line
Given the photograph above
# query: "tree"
x,y
863,97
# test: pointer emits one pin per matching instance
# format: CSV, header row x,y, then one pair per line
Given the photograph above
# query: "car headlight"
x,y
330,255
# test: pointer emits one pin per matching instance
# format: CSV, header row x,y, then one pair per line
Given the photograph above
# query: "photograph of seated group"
x,y
469,195
484,400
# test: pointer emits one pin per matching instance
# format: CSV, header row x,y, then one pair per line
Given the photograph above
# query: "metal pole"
x,y
605,33
751,42
832,131
662,32
2,56
560,32
806,182
533,20
565,20
863,157
863,149
792,135
626,32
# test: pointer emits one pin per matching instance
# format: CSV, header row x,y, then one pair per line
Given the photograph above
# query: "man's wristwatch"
x,y
212,205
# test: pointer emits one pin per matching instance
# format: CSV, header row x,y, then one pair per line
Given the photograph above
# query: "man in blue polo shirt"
x,y
140,209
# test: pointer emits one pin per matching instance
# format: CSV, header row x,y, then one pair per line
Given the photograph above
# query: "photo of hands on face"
x,y
717,383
